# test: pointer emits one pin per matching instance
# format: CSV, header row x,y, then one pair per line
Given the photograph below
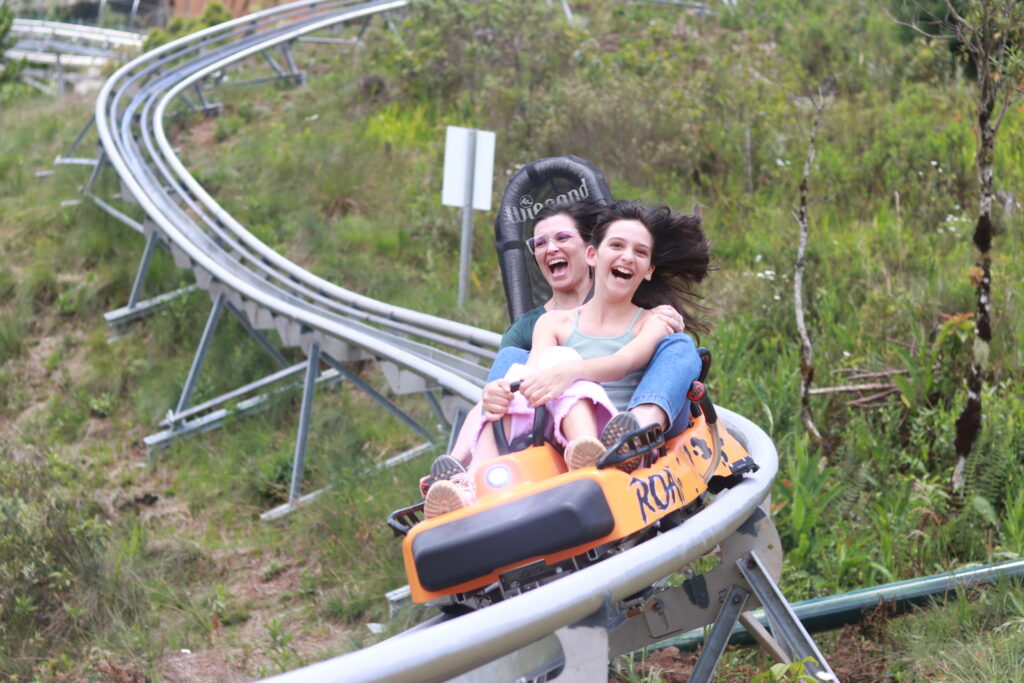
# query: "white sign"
x,y
456,147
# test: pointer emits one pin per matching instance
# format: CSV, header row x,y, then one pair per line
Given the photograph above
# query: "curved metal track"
x,y
275,293
224,257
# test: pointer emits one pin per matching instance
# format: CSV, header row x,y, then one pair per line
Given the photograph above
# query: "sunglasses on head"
x,y
535,244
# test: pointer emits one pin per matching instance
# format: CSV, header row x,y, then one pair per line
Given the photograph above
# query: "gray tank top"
x,y
589,346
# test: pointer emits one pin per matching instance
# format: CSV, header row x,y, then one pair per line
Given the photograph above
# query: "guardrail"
x,y
51,47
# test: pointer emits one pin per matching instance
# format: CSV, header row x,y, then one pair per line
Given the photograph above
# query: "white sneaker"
x,y
448,495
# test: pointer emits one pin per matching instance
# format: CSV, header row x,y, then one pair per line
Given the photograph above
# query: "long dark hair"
x,y
583,212
681,257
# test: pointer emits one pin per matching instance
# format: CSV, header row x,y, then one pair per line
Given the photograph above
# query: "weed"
x,y
274,568
281,652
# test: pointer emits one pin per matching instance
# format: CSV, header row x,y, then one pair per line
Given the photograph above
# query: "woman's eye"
x,y
563,237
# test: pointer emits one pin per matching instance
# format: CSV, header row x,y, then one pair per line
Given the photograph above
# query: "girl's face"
x,y
560,253
623,259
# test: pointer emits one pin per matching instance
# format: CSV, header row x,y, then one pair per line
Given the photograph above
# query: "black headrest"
x,y
545,181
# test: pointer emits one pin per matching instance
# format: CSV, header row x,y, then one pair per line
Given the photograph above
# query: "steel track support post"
x,y
435,405
286,52
585,647
200,357
273,63
379,398
208,108
100,162
78,141
60,76
305,413
140,275
787,628
297,77
362,29
719,636
260,338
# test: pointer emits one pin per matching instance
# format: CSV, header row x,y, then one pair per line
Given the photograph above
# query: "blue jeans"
x,y
673,367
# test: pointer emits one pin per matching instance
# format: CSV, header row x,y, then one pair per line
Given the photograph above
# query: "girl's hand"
x,y
548,383
671,317
496,400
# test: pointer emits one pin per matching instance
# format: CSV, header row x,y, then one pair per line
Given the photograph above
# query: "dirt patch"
x,y
209,665
202,135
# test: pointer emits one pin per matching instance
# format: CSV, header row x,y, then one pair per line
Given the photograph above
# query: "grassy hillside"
x,y
111,567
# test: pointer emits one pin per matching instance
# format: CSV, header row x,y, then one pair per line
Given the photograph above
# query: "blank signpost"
x,y
468,182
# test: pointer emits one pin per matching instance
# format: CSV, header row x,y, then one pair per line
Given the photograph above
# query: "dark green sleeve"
x,y
520,333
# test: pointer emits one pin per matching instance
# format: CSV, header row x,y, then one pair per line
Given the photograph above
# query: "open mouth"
x,y
622,273
558,265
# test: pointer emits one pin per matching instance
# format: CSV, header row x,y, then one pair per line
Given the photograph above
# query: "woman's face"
x,y
623,259
560,253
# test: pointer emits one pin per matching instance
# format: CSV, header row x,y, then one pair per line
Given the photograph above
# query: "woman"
x,y
642,258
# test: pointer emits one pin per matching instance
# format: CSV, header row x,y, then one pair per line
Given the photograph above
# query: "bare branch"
x,y
802,219
851,387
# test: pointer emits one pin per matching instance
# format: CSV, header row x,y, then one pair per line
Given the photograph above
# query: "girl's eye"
x,y
563,237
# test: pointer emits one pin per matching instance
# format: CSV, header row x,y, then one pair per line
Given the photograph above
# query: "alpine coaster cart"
x,y
534,522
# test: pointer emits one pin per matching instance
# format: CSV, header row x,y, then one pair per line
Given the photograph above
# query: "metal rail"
x,y
99,37
53,49
73,45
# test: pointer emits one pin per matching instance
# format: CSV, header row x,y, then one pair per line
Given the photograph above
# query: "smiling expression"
x,y
623,259
562,257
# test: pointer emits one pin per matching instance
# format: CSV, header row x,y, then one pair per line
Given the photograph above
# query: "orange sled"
x,y
534,521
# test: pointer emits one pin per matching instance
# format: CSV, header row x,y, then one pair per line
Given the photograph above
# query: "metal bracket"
x,y
783,621
696,602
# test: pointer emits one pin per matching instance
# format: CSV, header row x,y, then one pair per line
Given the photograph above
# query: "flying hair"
x,y
681,257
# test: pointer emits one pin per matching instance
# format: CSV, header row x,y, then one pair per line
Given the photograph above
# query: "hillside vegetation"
x,y
114,566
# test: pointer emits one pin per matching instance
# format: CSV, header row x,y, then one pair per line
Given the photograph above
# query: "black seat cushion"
x,y
468,548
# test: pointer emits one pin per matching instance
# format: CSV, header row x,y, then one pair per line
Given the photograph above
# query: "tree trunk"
x,y
969,423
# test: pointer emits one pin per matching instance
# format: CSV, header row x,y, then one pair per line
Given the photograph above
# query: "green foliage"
x,y
973,638
179,25
784,673
9,69
56,582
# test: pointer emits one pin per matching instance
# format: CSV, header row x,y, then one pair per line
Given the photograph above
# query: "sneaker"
x,y
444,467
620,425
448,495
583,452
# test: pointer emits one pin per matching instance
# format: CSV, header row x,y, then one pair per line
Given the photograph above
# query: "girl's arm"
x,y
545,335
497,395
549,383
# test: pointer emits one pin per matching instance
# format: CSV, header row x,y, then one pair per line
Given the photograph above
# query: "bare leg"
x,y
581,420
486,446
461,449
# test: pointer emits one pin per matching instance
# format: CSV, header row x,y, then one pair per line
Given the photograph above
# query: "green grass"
x,y
343,176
